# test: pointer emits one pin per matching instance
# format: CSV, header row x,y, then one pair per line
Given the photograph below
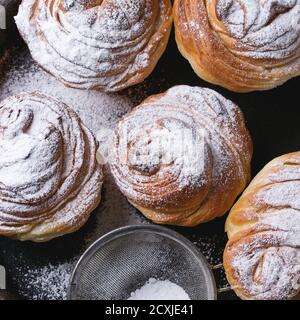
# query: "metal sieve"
x,y
123,260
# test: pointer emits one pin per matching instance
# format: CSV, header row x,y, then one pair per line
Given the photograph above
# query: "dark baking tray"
x,y
273,120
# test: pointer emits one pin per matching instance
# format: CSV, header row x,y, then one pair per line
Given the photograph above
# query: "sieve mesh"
x,y
124,260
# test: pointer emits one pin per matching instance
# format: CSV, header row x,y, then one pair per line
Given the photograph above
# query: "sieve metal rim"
x,y
125,230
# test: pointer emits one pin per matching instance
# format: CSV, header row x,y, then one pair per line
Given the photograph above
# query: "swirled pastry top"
x,y
96,44
50,180
183,156
243,45
262,257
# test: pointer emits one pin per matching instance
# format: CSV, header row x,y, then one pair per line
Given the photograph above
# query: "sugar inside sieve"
x,y
123,260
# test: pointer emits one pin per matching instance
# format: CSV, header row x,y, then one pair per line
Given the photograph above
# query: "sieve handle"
x,y
217,266
223,289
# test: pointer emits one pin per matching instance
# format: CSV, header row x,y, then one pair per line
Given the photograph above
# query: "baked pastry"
x,y
262,257
96,44
242,45
183,156
50,180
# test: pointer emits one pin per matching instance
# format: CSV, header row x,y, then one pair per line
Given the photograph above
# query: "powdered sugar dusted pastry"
x,y
262,257
182,156
50,180
96,44
242,45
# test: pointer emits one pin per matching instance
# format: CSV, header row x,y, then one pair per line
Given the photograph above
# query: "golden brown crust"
x,y
50,180
106,45
223,49
183,156
262,257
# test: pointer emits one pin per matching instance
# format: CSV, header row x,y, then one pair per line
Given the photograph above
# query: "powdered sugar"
x,y
268,264
155,289
86,44
44,167
269,273
97,110
267,259
284,194
265,29
48,282
282,187
181,145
